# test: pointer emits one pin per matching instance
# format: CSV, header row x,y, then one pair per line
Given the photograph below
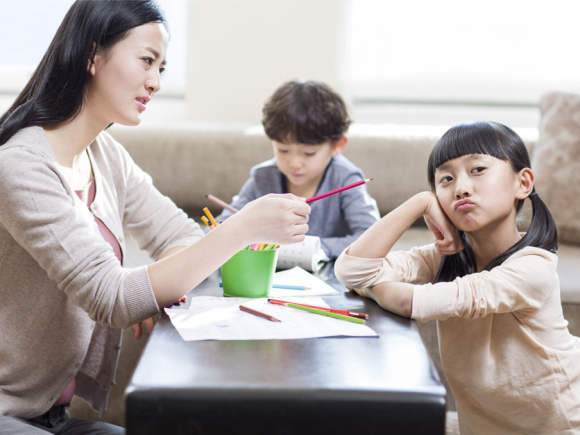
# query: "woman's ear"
x,y
339,146
525,180
91,61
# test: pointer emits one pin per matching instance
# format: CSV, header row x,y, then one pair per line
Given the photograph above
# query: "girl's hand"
x,y
279,219
447,238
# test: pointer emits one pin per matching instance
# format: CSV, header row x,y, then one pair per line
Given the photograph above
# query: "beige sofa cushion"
x,y
556,161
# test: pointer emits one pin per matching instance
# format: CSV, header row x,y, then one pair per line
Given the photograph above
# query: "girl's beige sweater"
x,y
506,351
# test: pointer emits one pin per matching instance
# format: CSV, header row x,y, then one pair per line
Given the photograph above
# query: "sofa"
x,y
188,161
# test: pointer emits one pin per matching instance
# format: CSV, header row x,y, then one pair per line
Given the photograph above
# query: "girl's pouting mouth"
x,y
464,204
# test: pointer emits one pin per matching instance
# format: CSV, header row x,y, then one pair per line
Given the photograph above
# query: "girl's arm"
x,y
376,243
379,239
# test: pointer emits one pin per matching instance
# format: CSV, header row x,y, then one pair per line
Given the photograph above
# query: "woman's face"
x,y
126,78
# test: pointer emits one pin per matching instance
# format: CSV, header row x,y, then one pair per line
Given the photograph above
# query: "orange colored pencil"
x,y
205,221
210,216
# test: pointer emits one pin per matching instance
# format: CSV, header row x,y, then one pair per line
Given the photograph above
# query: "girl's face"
x,y
478,190
125,79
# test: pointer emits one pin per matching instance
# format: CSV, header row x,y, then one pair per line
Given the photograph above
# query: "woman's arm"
x,y
279,219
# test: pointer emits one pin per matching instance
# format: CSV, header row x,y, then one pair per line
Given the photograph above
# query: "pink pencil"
x,y
340,189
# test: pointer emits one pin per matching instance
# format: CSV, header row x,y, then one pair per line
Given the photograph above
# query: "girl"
x,y
505,347
69,192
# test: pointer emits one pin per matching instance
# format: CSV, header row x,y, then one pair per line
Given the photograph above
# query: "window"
x,y
28,26
461,52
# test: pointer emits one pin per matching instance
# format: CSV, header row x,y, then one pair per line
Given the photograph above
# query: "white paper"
x,y
307,254
298,276
213,318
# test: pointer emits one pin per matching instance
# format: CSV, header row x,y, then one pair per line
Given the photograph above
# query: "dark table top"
x,y
318,385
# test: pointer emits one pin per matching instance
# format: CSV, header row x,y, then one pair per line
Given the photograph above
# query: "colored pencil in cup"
x,y
205,221
340,189
221,203
259,313
210,217
332,310
321,312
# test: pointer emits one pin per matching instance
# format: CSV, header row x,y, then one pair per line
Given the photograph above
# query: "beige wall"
x,y
240,51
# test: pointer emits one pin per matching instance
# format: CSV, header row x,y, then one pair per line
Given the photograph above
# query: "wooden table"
x,y
384,385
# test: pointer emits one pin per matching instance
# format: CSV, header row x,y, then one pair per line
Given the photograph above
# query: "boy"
x,y
307,122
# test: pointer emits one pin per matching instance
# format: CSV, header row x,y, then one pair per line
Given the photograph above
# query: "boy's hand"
x,y
273,218
447,238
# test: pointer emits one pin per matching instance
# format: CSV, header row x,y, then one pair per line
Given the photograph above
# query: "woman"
x,y
69,192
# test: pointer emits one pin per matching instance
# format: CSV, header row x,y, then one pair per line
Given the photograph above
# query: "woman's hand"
x,y
448,241
138,328
273,218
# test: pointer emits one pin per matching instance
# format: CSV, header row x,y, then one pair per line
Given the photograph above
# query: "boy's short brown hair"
x,y
305,112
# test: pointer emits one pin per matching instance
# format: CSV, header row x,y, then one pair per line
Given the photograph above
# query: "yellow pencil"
x,y
210,216
205,221
261,246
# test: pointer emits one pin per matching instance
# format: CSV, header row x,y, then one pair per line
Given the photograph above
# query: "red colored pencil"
x,y
340,189
332,310
221,203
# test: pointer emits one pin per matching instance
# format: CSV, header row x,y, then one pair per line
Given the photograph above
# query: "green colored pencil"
x,y
325,313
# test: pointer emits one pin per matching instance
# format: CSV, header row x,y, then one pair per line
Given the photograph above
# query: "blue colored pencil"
x,y
288,287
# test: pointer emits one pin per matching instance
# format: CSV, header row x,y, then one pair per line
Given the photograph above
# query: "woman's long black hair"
x,y
497,140
55,93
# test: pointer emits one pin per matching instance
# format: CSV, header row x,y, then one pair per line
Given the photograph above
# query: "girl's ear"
x,y
525,180
339,146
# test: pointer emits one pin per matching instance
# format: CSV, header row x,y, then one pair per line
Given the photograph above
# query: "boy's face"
x,y
304,165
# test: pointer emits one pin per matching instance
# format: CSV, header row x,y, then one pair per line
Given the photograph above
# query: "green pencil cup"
x,y
249,274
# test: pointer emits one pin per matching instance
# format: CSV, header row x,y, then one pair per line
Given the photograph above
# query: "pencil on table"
x,y
259,313
221,203
321,312
288,287
340,189
332,310
210,216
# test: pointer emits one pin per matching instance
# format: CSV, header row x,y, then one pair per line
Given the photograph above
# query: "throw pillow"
x,y
556,161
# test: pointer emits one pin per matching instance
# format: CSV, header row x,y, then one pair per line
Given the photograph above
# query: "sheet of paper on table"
x,y
219,318
298,276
